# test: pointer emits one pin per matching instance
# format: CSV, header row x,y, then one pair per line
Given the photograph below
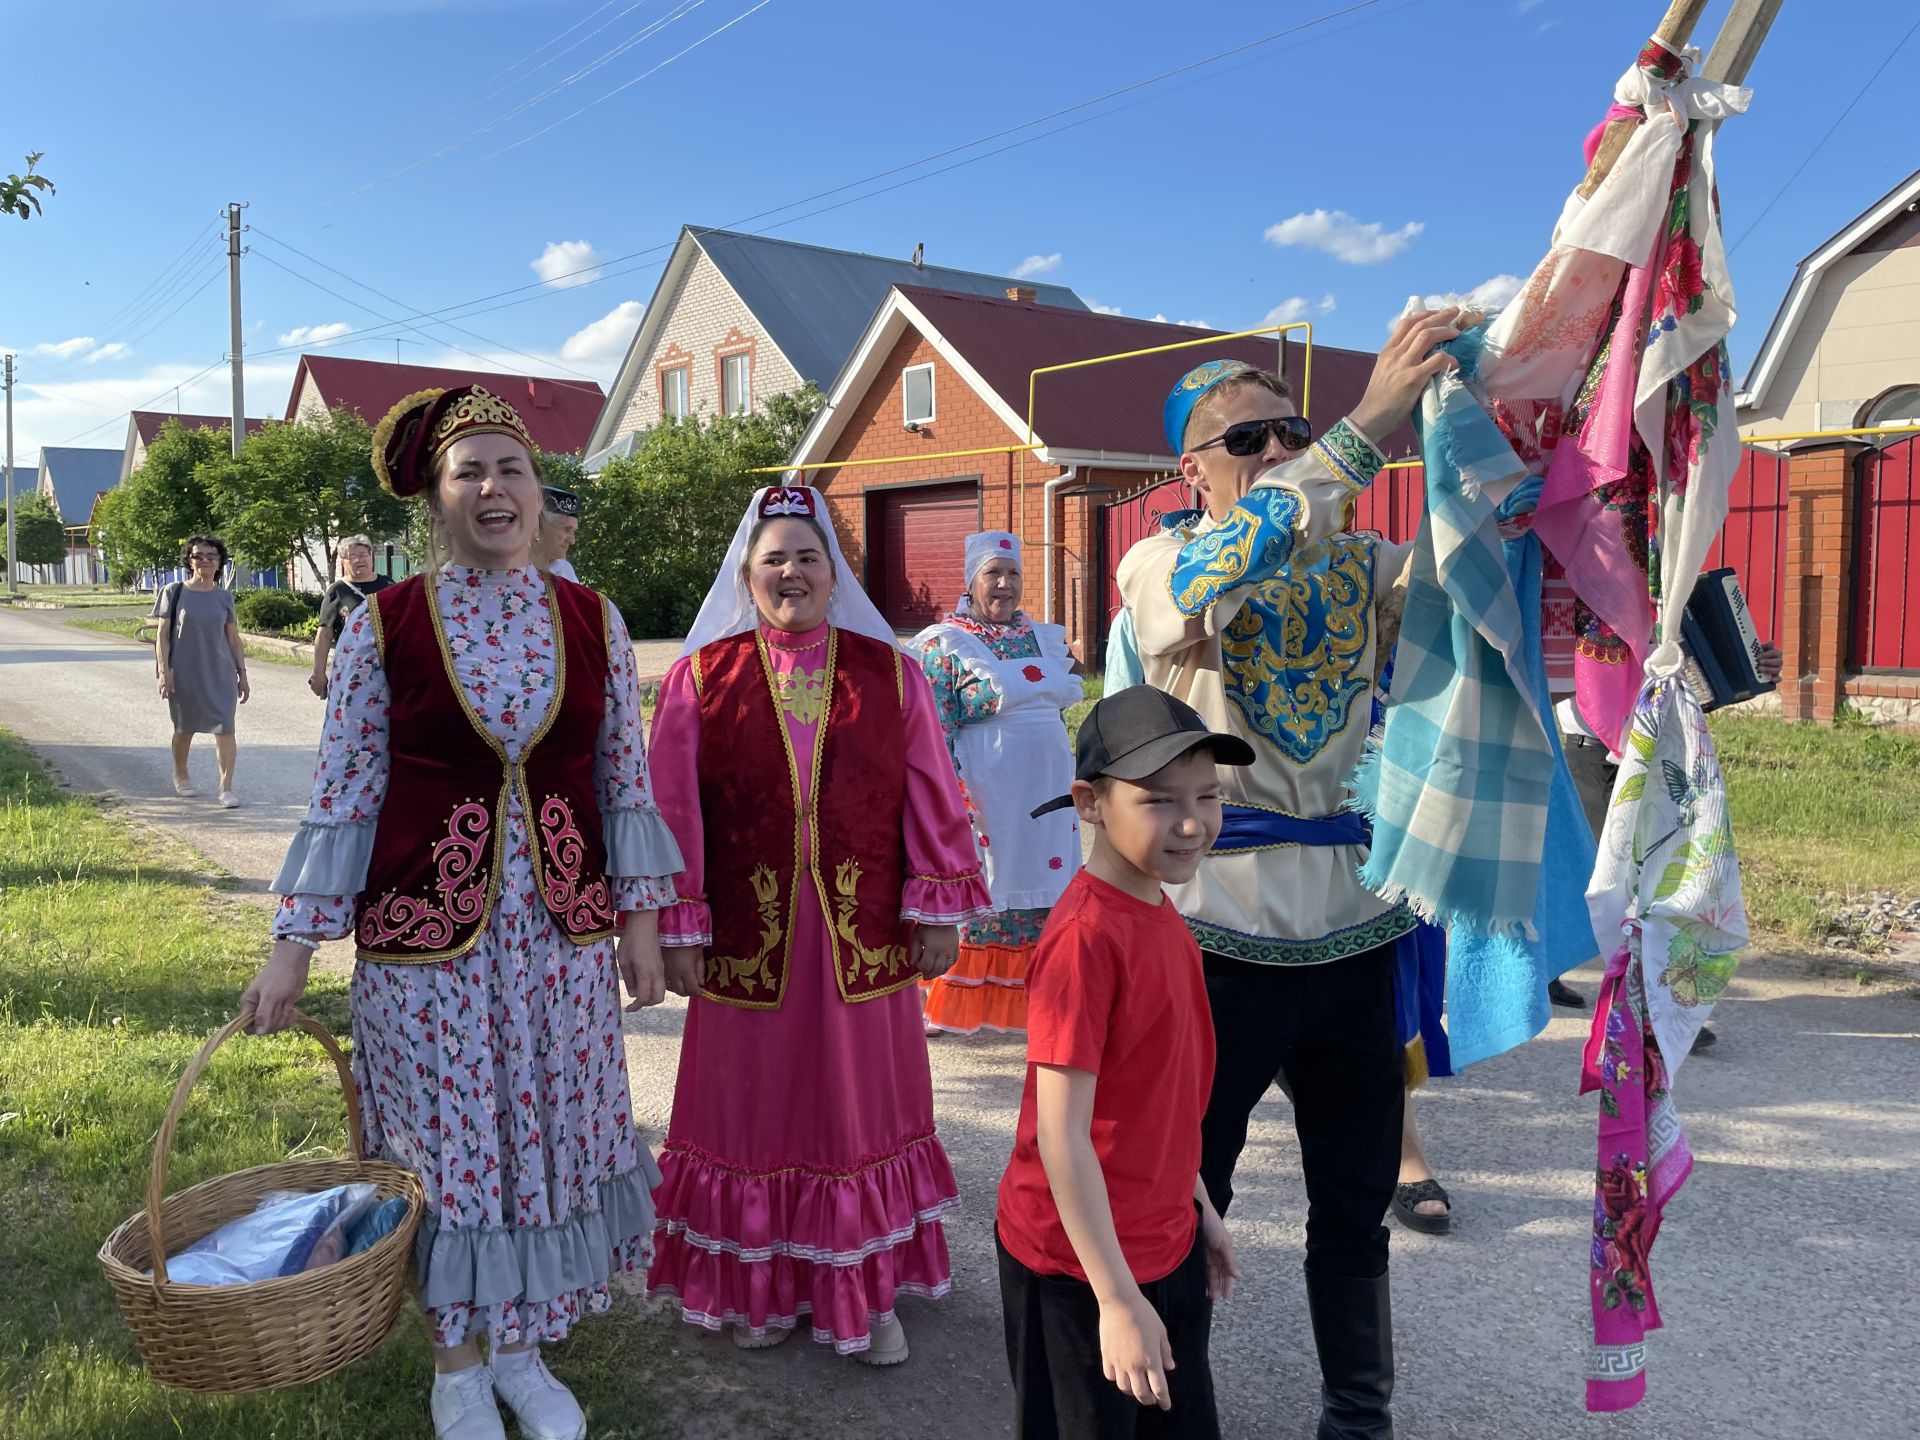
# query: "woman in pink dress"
x,y
798,758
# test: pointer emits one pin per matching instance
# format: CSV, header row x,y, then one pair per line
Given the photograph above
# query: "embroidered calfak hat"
x,y
1136,731
418,430
560,502
1188,391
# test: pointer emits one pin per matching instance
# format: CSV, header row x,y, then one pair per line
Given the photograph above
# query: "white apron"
x,y
1016,760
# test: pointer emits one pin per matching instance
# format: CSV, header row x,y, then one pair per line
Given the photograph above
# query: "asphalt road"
x,y
1785,1271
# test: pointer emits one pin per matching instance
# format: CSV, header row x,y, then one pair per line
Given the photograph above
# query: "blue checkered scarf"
x,y
1458,786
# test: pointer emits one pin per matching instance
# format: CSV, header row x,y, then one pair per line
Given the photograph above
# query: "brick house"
x,y
737,318
938,372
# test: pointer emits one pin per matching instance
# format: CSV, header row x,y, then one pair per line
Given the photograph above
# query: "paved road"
x,y
1785,1272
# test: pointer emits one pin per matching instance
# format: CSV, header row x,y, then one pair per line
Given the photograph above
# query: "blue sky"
x,y
1407,147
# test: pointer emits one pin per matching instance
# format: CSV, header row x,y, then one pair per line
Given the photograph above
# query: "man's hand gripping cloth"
x,y
1667,890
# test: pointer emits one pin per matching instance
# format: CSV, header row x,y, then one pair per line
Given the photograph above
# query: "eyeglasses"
x,y
210,555
1249,437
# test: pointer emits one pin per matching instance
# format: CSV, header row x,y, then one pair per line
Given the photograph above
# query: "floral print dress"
x,y
498,1076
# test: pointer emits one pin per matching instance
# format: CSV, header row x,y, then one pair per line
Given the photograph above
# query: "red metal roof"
x,y
1116,407
559,413
148,423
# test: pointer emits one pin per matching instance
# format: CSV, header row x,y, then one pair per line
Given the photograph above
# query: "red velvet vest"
x,y
439,846
758,824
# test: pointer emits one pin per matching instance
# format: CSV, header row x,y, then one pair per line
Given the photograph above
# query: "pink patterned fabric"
x,y
802,1172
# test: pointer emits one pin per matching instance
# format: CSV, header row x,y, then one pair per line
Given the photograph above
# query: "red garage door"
x,y
916,542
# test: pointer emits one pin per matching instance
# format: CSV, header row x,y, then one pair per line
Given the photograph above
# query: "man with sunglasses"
x,y
1272,619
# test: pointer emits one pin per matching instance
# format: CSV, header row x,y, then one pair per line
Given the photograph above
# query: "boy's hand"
x,y
1222,1268
1134,1351
1771,662
1406,363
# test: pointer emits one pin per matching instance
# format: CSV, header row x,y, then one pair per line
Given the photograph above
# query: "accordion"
x,y
1723,652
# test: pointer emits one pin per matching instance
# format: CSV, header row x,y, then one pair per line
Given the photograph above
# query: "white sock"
x,y
514,1359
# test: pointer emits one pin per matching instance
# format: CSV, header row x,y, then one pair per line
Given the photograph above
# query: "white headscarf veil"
x,y
728,608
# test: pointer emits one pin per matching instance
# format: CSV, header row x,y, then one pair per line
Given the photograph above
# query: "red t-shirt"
x,y
1116,988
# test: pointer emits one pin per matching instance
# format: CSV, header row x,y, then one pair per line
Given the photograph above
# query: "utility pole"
x,y
233,312
12,587
1739,40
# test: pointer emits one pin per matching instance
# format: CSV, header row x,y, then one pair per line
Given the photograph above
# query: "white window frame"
x,y
744,358
907,417
685,372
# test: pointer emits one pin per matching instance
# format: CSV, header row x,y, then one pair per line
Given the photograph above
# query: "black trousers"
x,y
1328,1031
1053,1348
1593,775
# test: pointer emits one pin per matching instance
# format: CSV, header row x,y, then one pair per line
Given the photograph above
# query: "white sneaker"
x,y
544,1407
229,800
183,787
889,1345
463,1406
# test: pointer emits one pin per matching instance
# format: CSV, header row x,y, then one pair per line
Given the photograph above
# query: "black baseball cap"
x,y
562,502
1134,732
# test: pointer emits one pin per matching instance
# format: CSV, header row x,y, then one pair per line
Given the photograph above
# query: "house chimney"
x,y
1022,294
541,395
919,254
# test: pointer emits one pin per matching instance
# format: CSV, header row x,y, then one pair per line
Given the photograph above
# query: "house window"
x,y
1899,406
736,384
673,393
916,389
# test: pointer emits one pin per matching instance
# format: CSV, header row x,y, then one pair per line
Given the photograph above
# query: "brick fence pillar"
x,y
1818,578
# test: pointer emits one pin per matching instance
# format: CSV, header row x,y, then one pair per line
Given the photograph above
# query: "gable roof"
x,y
559,413
1107,414
143,427
77,475
1806,280
812,302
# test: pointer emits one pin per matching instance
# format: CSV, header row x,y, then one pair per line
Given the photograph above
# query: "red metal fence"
x,y
1886,567
1753,541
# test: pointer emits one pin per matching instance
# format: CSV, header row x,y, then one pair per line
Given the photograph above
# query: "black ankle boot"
x,y
1353,1329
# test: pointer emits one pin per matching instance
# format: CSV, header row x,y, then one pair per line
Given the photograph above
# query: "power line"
x,y
125,312
508,84
212,275
607,268
1859,95
358,305
178,385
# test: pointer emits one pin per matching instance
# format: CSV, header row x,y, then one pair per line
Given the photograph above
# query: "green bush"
x,y
270,611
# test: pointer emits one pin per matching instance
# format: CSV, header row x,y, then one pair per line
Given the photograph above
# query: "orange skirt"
x,y
985,990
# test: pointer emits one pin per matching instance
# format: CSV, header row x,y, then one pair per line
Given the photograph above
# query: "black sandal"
x,y
1406,1197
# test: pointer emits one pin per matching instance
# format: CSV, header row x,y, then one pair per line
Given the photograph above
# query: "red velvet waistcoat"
x,y
754,816
439,846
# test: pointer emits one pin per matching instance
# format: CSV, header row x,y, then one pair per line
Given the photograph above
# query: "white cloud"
x,y
107,352
92,413
1340,235
1489,294
1298,307
606,338
566,263
1521,7
315,334
1037,265
66,349
1099,309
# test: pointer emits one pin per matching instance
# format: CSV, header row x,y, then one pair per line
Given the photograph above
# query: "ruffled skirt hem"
x,y
985,990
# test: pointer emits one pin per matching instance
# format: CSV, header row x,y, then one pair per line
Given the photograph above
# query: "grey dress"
x,y
205,684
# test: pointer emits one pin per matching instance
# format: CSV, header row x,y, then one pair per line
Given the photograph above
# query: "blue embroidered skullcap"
x,y
1187,393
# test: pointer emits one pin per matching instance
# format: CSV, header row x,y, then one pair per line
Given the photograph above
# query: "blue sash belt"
x,y
1245,828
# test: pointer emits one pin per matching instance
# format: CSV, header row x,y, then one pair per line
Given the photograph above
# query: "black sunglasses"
x,y
1249,437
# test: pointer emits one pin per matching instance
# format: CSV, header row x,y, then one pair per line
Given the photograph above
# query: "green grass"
x,y
1819,812
116,961
136,627
81,596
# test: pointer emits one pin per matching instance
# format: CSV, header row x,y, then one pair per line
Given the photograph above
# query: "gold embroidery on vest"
x,y
859,955
751,972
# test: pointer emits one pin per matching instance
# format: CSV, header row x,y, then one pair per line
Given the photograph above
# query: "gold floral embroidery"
x,y
750,972
858,955
802,698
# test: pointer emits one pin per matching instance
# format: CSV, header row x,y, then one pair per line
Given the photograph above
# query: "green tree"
x,y
656,524
38,536
141,524
299,488
19,194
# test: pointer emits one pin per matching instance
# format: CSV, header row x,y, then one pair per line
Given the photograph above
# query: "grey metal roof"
x,y
815,302
78,476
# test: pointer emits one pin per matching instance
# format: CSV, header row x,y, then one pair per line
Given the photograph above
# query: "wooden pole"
x,y
1675,28
1739,40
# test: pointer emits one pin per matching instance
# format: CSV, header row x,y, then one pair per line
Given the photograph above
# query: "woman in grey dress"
x,y
201,666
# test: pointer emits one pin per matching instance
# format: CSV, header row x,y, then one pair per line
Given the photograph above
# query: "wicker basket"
x,y
270,1334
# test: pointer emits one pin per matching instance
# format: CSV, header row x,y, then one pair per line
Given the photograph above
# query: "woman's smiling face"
x,y
790,575
488,499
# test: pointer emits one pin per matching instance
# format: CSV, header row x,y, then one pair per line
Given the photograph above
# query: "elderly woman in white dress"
x,y
1000,681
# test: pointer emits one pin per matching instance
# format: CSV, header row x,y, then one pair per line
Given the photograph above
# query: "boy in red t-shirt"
x,y
1111,1254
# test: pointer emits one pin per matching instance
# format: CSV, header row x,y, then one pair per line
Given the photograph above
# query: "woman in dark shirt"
x,y
346,595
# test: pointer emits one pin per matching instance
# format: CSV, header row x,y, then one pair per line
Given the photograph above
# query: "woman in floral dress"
x,y
828,867
1000,682
482,824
